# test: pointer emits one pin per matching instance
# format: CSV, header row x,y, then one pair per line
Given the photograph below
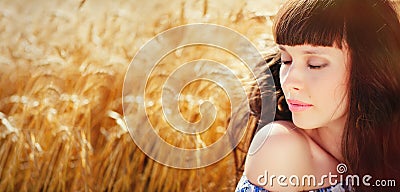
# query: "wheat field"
x,y
63,65
62,71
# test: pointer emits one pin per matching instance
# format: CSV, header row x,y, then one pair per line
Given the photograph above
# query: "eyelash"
x,y
315,66
309,66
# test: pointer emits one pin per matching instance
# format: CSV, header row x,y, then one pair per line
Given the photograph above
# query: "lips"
x,y
298,106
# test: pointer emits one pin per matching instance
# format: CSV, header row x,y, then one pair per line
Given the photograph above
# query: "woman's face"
x,y
314,80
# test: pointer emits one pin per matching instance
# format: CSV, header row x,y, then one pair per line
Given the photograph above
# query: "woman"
x,y
339,72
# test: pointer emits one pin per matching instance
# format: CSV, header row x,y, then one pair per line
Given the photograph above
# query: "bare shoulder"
x,y
277,149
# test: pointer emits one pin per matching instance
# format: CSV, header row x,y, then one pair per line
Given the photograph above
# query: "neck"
x,y
330,138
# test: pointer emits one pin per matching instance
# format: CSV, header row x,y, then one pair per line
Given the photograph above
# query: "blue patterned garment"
x,y
244,185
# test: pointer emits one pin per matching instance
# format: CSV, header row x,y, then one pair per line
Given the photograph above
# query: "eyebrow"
x,y
281,48
308,52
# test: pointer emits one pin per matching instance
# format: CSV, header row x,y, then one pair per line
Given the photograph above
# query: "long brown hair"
x,y
371,30
261,92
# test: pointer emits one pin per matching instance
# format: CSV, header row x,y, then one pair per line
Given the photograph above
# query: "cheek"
x,y
332,93
340,97
340,88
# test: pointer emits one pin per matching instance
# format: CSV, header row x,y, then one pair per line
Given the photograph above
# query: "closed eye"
x,y
286,62
316,66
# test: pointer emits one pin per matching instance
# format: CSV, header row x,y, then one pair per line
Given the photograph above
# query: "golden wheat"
x,y
63,66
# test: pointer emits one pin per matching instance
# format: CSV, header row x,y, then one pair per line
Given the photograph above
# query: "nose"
x,y
291,77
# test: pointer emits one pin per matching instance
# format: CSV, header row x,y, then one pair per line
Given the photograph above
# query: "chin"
x,y
304,123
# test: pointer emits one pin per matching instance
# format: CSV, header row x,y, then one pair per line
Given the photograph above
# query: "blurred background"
x,y
62,71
